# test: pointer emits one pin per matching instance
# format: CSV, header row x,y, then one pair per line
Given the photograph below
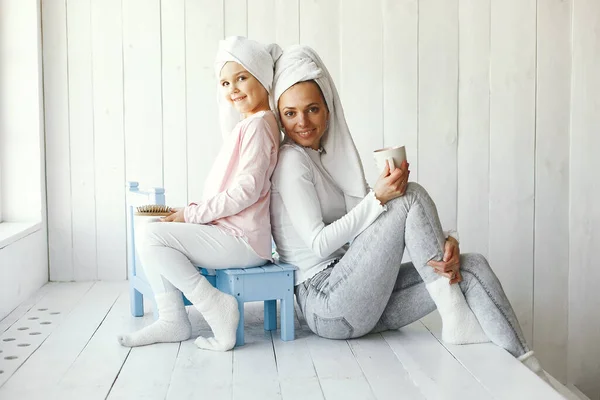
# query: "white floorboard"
x,y
77,356
384,371
511,381
20,363
101,355
297,374
434,370
339,373
22,309
254,365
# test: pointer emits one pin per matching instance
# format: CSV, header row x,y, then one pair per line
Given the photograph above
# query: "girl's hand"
x,y
392,185
450,264
177,216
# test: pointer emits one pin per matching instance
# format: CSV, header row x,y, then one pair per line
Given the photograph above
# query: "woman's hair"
x,y
318,87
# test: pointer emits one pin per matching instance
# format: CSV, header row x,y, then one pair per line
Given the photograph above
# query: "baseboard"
x,y
570,391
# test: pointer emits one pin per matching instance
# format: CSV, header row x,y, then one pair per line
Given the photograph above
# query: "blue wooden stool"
x,y
268,283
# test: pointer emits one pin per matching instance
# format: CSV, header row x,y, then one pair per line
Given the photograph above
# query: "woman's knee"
x,y
414,187
402,204
477,266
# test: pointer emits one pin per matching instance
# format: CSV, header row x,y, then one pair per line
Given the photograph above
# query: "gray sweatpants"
x,y
369,290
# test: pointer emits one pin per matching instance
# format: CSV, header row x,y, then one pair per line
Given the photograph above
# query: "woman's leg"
x,y
483,291
410,302
167,252
348,299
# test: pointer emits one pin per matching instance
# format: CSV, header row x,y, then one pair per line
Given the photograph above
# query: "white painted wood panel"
x,y
584,239
21,116
201,374
261,20
82,310
400,78
361,84
438,104
288,22
512,134
87,362
210,371
23,270
387,376
437,373
204,29
174,108
551,257
235,17
297,375
524,384
473,153
8,319
109,140
102,354
154,383
58,168
142,95
254,364
339,372
81,140
320,28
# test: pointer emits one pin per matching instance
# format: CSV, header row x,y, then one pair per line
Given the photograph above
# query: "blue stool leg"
x,y
136,302
270,315
287,317
239,335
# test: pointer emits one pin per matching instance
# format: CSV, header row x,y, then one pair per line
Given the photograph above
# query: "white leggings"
x,y
168,252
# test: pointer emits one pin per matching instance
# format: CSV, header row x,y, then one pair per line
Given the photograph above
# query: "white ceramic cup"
x,y
393,156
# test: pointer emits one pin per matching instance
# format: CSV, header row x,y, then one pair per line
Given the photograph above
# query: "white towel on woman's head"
x,y
256,58
341,159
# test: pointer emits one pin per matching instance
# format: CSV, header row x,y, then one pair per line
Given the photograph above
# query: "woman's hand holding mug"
x,y
392,184
393,180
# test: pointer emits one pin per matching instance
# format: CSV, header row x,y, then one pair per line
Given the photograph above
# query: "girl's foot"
x,y
172,325
220,310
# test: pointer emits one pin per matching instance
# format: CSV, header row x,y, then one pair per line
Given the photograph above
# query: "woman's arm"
x,y
255,158
294,181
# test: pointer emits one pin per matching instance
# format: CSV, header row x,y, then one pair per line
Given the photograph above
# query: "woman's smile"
x,y
306,133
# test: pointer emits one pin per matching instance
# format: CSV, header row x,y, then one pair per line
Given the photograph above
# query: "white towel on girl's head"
x,y
256,58
340,158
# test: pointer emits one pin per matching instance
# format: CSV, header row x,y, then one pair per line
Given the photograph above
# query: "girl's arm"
x,y
255,158
293,180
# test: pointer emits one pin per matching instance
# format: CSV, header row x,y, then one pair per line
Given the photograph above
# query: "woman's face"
x,y
242,90
304,114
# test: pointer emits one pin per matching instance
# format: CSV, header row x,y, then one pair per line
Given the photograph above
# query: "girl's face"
x,y
243,90
304,114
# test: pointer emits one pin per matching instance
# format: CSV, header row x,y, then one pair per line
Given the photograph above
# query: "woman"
x,y
320,203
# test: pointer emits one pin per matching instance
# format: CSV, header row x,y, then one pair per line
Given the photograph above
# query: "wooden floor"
x,y
61,344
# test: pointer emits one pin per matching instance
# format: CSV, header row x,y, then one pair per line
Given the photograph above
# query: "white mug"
x,y
393,156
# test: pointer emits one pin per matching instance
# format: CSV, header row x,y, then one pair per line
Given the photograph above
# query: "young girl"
x,y
231,225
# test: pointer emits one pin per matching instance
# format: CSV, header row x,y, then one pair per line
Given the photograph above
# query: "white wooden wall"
x,y
24,261
584,291
479,91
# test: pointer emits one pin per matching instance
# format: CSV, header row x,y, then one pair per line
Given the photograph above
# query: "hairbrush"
x,y
154,210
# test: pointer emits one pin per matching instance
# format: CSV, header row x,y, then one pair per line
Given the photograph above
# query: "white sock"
x,y
172,325
531,362
460,326
220,310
